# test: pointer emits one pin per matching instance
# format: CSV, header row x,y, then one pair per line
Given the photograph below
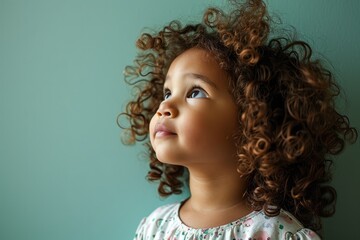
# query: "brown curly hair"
x,y
289,126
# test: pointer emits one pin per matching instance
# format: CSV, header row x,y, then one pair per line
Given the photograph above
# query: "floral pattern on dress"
x,y
164,224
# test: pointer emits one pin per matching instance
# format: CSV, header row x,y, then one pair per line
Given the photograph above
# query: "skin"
x,y
193,128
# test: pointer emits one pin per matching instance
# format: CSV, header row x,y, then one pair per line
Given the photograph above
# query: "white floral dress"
x,y
164,224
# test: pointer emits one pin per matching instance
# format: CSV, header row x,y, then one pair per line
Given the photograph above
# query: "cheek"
x,y
209,129
201,130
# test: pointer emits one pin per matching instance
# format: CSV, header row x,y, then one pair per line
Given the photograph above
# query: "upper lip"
x,y
160,127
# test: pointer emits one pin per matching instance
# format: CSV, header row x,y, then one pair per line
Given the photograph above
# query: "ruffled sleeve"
x,y
303,234
159,223
139,234
293,229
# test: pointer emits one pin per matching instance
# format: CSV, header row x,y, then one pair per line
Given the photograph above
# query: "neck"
x,y
216,191
216,197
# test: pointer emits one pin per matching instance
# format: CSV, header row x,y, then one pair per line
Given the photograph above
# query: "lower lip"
x,y
164,134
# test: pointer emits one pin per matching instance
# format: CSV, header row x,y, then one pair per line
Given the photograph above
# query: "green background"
x,y
64,173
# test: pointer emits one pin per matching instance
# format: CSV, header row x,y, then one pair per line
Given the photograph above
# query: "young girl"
x,y
247,120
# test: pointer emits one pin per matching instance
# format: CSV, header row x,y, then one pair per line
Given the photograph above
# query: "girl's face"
x,y
197,118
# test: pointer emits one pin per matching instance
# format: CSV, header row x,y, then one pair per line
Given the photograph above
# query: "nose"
x,y
167,109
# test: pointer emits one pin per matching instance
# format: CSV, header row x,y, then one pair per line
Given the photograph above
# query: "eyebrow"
x,y
200,77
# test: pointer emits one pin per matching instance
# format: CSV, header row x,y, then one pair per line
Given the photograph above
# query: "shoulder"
x,y
165,211
283,226
160,219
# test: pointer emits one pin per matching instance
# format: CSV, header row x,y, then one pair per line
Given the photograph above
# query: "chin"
x,y
170,160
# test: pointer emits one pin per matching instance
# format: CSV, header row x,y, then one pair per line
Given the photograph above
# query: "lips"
x,y
162,131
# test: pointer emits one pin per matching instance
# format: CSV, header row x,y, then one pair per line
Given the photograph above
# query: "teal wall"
x,y
63,172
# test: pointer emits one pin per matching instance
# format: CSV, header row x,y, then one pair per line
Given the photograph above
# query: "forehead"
x,y
196,61
194,54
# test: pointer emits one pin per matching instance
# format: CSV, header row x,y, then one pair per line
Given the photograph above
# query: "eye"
x,y
167,94
197,93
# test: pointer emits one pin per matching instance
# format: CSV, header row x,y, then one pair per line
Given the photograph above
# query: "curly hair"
x,y
289,127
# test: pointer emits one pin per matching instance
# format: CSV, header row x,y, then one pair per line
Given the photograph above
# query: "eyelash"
x,y
195,87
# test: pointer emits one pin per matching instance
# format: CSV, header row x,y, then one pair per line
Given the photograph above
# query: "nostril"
x,y
163,114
